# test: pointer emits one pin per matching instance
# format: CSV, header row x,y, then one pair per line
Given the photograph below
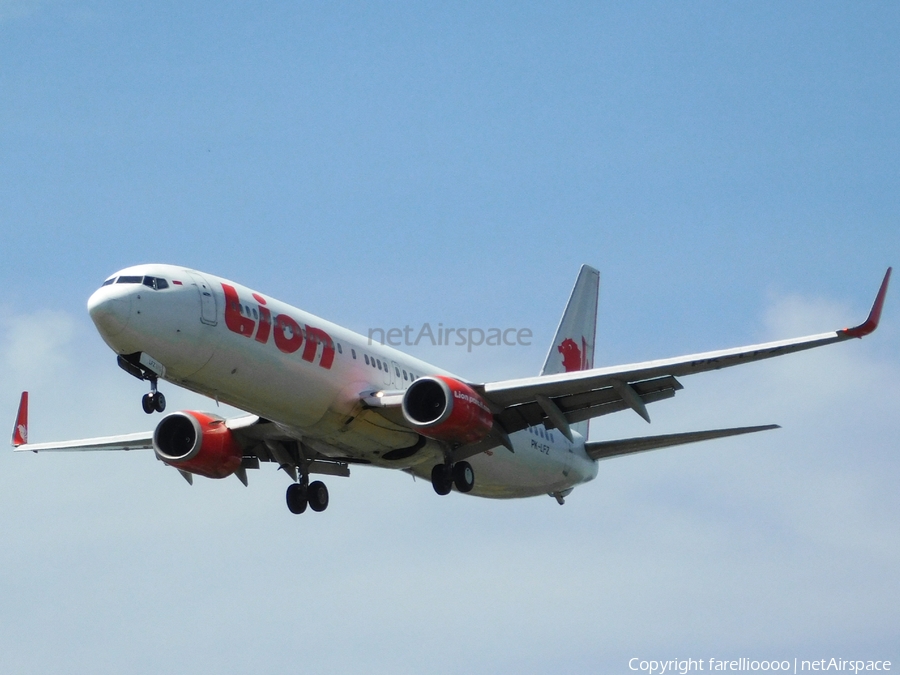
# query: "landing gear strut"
x,y
154,401
303,494
460,475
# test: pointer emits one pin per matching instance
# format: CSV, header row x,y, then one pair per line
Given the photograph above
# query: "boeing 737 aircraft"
x,y
320,398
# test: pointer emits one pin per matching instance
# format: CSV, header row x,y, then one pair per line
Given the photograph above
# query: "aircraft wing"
x,y
139,441
260,439
563,399
628,446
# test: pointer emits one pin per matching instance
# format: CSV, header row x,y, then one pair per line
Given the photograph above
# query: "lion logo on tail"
x,y
573,357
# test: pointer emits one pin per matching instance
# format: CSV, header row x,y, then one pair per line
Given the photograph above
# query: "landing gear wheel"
x,y
441,479
296,498
317,494
463,476
148,403
159,402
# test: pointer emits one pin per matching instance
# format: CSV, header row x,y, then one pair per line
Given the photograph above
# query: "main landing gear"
x,y
154,401
303,494
444,477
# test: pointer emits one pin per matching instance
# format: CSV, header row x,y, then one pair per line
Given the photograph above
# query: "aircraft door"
x,y
207,299
396,375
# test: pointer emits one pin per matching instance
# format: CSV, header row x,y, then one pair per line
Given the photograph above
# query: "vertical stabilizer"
x,y
573,346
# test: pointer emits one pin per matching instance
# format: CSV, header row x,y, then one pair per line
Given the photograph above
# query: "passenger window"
x,y
340,351
404,375
353,351
379,363
367,358
397,370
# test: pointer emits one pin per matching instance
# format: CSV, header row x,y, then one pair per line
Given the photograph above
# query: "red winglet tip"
x,y
20,433
871,323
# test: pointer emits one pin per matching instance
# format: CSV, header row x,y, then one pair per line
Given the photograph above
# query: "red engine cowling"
x,y
446,409
198,443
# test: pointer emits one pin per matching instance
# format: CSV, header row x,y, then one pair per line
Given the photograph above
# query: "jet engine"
x,y
446,409
198,443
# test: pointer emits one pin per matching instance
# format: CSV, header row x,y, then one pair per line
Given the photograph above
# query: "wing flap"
x,y
512,392
585,405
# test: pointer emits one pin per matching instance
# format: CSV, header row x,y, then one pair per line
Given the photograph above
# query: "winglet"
x,y
20,432
871,323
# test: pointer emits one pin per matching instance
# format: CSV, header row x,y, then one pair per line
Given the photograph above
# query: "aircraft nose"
x,y
110,310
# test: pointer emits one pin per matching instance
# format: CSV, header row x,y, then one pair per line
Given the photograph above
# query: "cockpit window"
x,y
129,280
109,281
156,283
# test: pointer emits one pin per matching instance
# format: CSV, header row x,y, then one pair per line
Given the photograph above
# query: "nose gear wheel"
x,y
153,402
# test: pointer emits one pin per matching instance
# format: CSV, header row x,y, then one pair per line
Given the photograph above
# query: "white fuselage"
x,y
305,374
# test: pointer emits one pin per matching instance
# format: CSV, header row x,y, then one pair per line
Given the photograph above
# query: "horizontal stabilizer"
x,y
627,446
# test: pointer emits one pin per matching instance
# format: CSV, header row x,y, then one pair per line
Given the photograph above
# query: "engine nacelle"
x,y
446,409
198,443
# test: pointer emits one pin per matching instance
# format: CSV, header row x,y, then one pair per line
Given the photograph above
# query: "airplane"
x,y
319,398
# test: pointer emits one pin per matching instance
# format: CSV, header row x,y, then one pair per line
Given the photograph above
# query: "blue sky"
x,y
731,169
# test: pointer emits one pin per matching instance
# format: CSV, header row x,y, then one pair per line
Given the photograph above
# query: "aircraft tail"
x,y
573,346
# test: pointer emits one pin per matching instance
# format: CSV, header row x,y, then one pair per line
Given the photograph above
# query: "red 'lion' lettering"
x,y
234,318
313,337
265,323
284,325
287,333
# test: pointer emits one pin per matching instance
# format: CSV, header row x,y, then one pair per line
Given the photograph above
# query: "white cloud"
x,y
36,345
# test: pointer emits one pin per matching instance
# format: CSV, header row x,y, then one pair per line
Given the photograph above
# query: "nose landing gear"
x,y
154,401
145,367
